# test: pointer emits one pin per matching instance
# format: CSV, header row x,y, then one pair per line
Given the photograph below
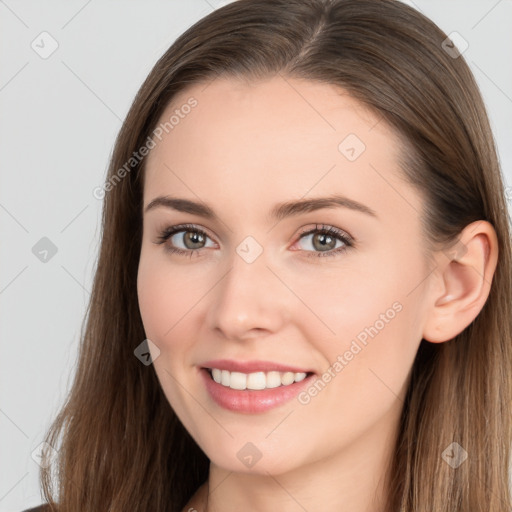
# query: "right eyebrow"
x,y
182,205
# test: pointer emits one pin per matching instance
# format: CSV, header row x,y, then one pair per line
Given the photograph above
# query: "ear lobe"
x,y
465,273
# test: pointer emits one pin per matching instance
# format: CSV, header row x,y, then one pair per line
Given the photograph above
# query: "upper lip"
x,y
252,366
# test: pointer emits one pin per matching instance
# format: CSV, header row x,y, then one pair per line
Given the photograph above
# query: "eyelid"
x,y
176,228
328,228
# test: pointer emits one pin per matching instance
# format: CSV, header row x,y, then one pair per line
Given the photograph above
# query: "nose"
x,y
250,300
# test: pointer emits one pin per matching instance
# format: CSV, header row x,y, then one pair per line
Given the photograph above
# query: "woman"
x,y
302,298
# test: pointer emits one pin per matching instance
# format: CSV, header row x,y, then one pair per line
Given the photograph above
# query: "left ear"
x,y
464,276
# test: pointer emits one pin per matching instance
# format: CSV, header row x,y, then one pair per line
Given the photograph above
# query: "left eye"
x,y
324,237
321,237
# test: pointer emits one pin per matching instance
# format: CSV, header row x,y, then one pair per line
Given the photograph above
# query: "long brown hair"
x,y
121,445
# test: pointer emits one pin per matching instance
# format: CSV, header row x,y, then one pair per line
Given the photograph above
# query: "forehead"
x,y
267,111
249,144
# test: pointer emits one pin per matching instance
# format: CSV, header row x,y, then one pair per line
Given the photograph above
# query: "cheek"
x,y
153,299
368,333
366,373
161,308
161,300
164,296
345,296
337,305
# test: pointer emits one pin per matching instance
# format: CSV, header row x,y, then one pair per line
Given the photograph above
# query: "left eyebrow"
x,y
278,212
292,208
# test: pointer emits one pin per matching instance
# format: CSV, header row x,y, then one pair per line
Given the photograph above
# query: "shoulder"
x,y
40,508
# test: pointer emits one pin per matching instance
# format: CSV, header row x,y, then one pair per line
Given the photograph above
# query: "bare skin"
x,y
243,149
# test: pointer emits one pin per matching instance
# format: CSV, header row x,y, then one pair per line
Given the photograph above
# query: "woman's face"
x,y
254,286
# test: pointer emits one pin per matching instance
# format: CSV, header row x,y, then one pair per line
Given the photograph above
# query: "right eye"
x,y
187,234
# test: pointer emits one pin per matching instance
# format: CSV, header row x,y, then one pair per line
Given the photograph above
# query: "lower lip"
x,y
252,400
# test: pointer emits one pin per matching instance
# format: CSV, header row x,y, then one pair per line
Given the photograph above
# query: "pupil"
x,y
322,238
194,237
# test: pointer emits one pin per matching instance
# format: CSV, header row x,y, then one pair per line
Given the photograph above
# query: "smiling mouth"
x,y
255,380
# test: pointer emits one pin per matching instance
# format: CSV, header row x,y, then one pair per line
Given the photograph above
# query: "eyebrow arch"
x,y
278,212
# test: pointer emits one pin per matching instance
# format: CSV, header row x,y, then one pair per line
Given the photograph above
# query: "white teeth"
x,y
238,380
256,380
287,378
273,379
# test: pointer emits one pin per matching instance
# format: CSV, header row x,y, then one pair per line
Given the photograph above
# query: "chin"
x,y
237,459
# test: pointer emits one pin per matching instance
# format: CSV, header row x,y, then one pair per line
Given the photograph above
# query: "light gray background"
x,y
60,116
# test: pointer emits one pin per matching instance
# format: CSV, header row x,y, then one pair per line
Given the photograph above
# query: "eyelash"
x,y
168,232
